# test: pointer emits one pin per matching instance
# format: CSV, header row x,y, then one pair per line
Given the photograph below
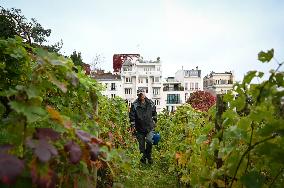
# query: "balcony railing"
x,y
173,89
173,101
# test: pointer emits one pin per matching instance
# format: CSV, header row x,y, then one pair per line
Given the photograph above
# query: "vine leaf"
x,y
62,86
32,92
249,76
74,150
266,56
47,133
42,149
11,168
33,113
253,179
54,114
84,136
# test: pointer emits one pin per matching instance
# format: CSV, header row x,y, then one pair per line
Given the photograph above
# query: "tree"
x,y
77,58
7,29
201,100
14,23
97,60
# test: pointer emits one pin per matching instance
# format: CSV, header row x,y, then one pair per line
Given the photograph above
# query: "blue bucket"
x,y
156,138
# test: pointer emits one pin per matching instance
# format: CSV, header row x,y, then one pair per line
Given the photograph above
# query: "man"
x,y
143,117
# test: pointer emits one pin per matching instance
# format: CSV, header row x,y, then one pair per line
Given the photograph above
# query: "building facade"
x,y
173,94
218,83
137,73
111,82
191,81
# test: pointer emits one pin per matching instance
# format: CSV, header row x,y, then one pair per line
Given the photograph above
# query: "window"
x,y
127,68
158,69
196,86
127,80
128,91
186,86
146,80
173,99
191,86
224,81
106,85
157,79
186,96
112,95
146,69
156,91
112,86
140,80
157,102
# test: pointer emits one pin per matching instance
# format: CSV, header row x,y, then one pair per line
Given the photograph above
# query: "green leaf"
x,y
201,139
62,86
266,56
234,132
253,179
8,93
249,76
33,113
244,123
271,151
260,74
279,79
32,92
272,127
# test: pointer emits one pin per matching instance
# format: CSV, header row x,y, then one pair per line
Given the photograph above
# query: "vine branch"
x,y
274,179
252,128
245,153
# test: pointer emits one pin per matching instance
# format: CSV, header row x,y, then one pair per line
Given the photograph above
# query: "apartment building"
x,y
137,73
173,94
191,81
218,83
111,82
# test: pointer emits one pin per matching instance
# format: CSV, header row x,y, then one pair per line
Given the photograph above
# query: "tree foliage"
x,y
201,100
32,32
77,58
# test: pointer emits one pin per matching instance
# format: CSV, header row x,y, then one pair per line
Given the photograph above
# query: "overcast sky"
x,y
213,35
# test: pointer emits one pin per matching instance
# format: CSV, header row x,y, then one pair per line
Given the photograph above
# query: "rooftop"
x,y
101,75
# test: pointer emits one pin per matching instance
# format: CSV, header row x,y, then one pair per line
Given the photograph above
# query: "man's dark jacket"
x,y
143,116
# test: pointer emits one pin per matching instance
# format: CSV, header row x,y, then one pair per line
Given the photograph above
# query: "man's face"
x,y
141,96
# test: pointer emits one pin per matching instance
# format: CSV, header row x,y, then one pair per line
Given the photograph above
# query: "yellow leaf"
x,y
54,114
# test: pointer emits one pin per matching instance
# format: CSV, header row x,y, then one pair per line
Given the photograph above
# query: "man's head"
x,y
141,94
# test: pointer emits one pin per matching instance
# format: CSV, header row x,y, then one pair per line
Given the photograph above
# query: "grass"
x,y
145,175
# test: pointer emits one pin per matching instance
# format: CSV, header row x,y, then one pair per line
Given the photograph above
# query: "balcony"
x,y
173,101
166,88
149,73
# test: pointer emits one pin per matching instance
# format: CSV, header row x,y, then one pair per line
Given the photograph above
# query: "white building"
x,y
173,94
218,83
191,81
112,83
137,73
